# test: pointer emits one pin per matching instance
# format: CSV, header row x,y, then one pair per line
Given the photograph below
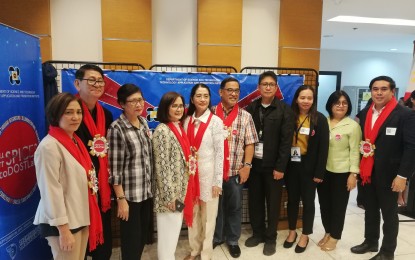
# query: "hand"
x,y
172,206
317,180
278,175
351,182
66,238
123,209
216,191
244,174
398,184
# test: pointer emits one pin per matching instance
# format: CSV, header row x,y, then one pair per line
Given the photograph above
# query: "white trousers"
x,y
168,231
203,228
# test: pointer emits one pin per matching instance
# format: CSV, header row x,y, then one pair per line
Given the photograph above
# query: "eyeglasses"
x,y
268,84
134,102
93,82
339,104
232,90
175,106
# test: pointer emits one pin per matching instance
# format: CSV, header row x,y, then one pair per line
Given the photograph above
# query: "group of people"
x,y
195,164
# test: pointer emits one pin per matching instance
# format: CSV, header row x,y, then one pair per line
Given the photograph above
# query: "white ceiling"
x,y
368,37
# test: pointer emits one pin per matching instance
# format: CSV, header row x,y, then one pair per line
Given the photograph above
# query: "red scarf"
x,y
79,152
228,123
192,193
103,175
366,164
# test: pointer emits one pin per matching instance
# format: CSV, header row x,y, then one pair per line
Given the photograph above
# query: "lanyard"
x,y
298,129
263,112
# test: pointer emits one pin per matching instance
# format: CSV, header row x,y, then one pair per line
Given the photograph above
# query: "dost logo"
x,y
14,75
18,143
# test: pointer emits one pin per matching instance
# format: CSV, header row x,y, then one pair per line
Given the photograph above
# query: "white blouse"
x,y
210,153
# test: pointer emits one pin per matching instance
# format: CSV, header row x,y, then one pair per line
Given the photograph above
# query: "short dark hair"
x,y
265,74
192,107
313,108
80,73
392,83
165,102
57,106
408,102
229,79
127,90
334,98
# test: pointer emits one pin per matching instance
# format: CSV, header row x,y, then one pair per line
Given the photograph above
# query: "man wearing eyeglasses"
x,y
274,123
239,147
89,81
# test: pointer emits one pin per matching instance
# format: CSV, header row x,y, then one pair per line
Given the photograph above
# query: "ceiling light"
x,y
393,49
358,19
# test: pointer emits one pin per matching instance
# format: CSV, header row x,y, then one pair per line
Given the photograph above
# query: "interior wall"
x,y
76,30
360,67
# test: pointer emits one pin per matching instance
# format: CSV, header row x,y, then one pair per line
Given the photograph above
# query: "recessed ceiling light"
x,y
393,49
359,19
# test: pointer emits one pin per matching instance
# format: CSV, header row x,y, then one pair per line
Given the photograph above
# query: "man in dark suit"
x,y
388,150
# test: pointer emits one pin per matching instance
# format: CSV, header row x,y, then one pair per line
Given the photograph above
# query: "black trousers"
x,y
333,197
104,251
300,187
263,188
135,231
378,199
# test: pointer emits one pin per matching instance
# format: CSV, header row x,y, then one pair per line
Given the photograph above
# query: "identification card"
x,y
259,150
305,131
390,130
295,154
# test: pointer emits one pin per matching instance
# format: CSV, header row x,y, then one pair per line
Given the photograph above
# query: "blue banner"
x,y
155,84
22,126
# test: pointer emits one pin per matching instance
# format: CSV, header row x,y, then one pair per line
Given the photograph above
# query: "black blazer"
x,y
317,149
277,133
394,154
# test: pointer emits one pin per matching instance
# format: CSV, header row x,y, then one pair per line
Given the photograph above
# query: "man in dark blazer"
x,y
388,150
274,123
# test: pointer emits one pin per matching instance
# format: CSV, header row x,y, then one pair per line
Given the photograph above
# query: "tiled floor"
x,y
352,235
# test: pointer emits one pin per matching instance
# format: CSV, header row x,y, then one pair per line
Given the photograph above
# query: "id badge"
x,y
295,154
259,150
305,131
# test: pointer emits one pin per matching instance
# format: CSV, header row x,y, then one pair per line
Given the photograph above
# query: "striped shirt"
x,y
242,133
130,158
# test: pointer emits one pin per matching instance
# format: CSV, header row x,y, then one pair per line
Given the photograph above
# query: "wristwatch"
x,y
121,197
248,164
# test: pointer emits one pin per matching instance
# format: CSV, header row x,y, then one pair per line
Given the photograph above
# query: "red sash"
x,y
103,175
366,164
228,123
192,193
79,152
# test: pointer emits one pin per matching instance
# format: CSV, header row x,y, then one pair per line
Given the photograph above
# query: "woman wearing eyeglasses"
x,y
206,136
173,183
307,166
131,171
342,168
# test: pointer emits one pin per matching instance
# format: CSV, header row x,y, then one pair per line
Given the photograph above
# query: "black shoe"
x,y
290,244
269,249
215,244
364,248
299,249
234,251
382,256
253,241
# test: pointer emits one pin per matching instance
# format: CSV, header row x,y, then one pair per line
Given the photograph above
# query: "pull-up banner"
x,y
155,84
22,125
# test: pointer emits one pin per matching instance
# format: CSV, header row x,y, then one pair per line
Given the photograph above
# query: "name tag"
x,y
305,131
259,150
390,130
295,154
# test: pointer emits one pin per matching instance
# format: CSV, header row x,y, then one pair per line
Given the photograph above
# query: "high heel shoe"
x,y
299,249
290,244
329,245
324,240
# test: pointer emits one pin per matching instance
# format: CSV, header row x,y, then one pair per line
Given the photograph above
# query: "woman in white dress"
x,y
206,135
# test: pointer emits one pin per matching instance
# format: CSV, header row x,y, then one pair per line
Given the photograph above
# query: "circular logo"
x,y
367,148
99,146
18,143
